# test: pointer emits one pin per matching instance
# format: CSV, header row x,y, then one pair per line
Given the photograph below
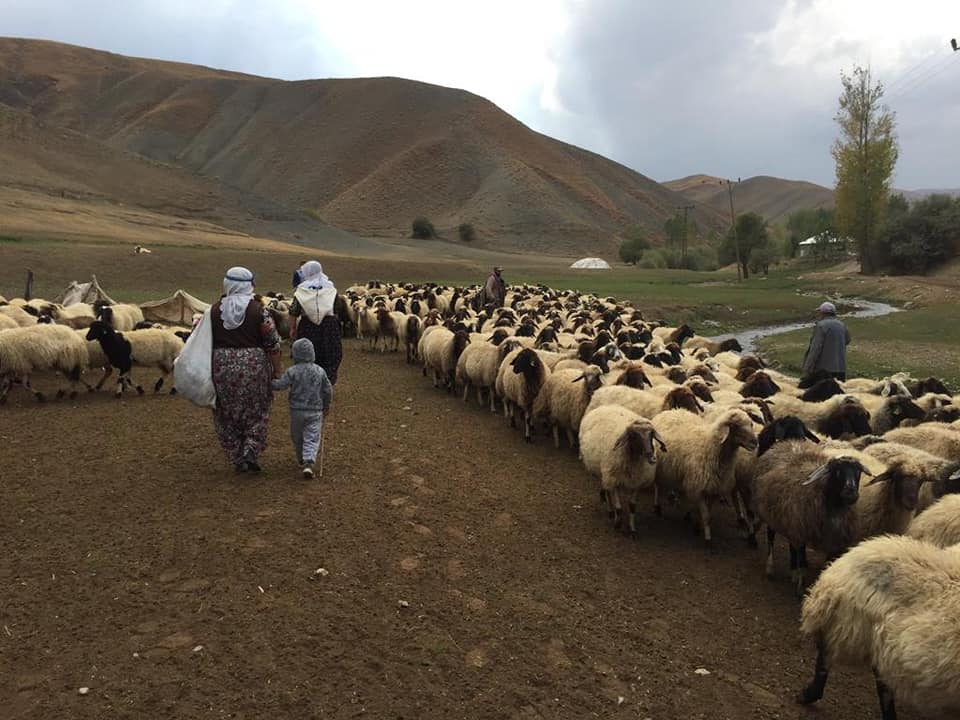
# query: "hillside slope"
x,y
773,198
367,154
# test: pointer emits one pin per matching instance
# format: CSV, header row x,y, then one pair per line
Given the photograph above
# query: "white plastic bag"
x,y
193,369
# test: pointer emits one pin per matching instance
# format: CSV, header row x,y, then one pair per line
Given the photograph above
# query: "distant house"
x,y
822,246
591,263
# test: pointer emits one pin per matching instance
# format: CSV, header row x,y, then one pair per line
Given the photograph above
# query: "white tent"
x,y
591,263
178,309
83,293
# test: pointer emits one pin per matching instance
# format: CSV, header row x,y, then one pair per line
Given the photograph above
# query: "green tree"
x,y
865,154
634,243
925,235
423,229
673,228
751,232
807,223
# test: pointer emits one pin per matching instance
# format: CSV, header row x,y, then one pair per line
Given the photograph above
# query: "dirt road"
x,y
470,575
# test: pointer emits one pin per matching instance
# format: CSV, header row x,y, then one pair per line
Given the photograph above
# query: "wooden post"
x,y
28,291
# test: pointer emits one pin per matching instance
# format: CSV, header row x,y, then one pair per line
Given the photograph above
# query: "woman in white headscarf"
x,y
313,311
246,355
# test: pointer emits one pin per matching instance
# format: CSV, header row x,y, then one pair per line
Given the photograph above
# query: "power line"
x,y
927,74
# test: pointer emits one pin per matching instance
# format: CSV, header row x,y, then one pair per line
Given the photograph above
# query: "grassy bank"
x,y
923,341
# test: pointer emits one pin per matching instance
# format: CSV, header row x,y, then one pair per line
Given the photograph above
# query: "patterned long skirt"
x,y
241,377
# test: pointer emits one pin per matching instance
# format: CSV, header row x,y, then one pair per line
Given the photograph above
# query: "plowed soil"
x,y
469,575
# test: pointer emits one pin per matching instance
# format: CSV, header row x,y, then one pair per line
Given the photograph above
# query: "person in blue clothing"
x,y
827,353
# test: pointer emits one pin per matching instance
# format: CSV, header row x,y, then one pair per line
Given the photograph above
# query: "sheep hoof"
x,y
808,696
60,393
658,511
173,391
73,395
710,548
41,398
752,541
139,390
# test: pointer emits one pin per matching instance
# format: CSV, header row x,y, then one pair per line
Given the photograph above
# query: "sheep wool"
x,y
940,524
702,463
620,448
892,604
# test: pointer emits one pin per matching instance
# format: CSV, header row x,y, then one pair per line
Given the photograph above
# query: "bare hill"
x,y
773,198
367,154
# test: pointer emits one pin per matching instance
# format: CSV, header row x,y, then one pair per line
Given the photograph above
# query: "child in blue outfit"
x,y
310,395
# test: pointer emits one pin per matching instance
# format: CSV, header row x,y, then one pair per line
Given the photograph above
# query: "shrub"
x,y
423,229
314,214
634,243
653,260
701,258
466,232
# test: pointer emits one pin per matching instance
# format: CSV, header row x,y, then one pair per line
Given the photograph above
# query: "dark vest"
x,y
245,336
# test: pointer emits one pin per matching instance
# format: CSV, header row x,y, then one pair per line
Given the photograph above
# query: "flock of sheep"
x,y
41,336
864,471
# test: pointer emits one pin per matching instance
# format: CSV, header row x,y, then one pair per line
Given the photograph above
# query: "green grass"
x,y
923,341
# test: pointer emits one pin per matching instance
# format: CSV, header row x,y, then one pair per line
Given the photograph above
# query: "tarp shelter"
x,y
589,263
178,309
83,293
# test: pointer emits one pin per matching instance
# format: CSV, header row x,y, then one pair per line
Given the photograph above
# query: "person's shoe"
x,y
241,467
308,472
253,466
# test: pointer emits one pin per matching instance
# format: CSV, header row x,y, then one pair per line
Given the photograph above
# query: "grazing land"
x,y
139,566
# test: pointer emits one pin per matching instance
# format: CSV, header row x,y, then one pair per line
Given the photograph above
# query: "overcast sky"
x,y
733,88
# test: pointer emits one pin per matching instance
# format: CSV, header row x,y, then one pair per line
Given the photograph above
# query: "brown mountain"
x,y
773,198
367,155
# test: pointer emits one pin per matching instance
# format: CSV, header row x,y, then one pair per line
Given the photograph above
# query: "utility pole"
x,y
683,238
733,229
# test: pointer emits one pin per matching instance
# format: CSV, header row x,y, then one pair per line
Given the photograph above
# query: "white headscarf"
x,y
312,277
238,288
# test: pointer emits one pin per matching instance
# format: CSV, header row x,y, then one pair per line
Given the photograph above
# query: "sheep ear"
x,y
955,476
757,420
578,379
886,390
818,474
879,478
864,470
663,446
724,434
810,436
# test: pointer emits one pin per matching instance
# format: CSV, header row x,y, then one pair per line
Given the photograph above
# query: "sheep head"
x,y
903,408
823,390
98,329
736,429
731,344
639,439
682,398
906,485
592,378
841,478
849,417
634,376
763,405
698,386
676,375
759,385
785,428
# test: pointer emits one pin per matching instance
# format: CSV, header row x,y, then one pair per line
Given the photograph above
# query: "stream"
x,y
861,309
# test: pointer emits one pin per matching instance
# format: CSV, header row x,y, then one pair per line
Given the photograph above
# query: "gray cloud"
x,y
667,89
676,89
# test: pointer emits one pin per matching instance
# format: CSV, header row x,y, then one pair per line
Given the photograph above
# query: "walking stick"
x,y
322,444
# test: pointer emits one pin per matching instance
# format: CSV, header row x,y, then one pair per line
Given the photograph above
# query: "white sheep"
x,y
121,317
440,350
701,462
891,604
37,348
7,323
520,378
618,447
20,316
564,398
